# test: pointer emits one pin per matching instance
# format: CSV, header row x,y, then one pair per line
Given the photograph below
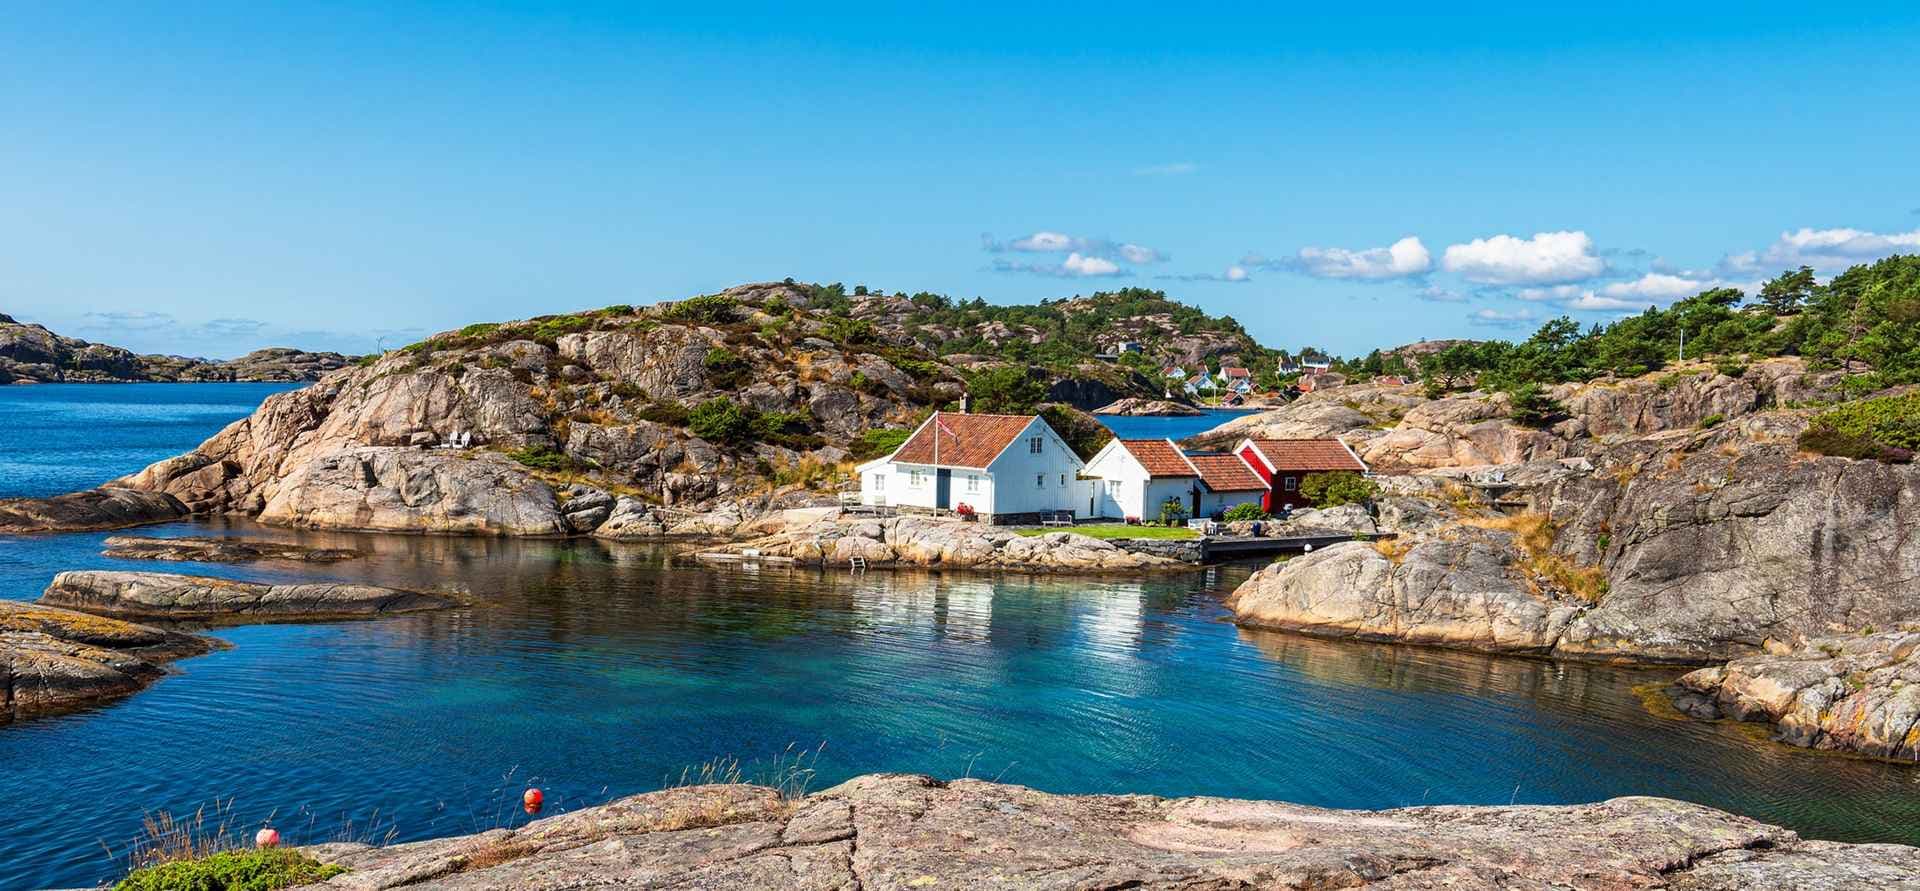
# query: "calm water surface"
x,y
596,671
1175,427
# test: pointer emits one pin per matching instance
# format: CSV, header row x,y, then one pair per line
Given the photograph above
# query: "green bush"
x,y
879,441
1712,420
1172,512
1887,428
720,420
266,869
540,457
1008,389
1244,512
710,308
1334,489
724,367
1532,407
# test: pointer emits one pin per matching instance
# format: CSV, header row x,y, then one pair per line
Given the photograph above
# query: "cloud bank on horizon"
x,y
1562,270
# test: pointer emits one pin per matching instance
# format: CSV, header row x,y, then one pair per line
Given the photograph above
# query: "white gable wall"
x,y
1026,482
1125,490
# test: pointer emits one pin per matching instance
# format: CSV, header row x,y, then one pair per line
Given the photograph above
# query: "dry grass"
x,y
1463,500
494,853
165,838
1394,549
1534,533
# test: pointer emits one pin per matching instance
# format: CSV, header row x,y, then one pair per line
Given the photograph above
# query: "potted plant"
x,y
964,511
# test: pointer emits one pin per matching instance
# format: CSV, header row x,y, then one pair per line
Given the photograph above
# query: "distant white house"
x,y
1005,468
1133,477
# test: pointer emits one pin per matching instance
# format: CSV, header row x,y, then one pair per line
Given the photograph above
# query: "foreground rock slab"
x,y
103,508
896,831
219,550
159,595
55,659
1858,694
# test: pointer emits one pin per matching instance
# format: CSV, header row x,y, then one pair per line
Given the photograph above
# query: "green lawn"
x,y
1116,530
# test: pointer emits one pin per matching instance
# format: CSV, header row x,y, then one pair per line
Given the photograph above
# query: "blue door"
x,y
943,489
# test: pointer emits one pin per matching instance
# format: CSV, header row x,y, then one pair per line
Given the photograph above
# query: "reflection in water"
x,y
599,670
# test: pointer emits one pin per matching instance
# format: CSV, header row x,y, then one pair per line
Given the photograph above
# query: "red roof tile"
x,y
1310,455
1227,473
1158,456
967,441
1234,371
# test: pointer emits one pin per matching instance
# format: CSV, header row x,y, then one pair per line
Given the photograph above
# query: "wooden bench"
x,y
1057,518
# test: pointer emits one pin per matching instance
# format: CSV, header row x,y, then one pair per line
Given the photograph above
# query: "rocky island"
x,y
32,354
205,549
894,831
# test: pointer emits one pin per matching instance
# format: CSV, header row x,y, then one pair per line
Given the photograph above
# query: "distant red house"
x,y
1283,463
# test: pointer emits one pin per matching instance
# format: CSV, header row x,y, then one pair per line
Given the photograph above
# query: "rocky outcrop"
x,y
1469,590
157,595
219,550
906,832
33,354
387,489
55,659
1136,407
108,507
931,542
1854,693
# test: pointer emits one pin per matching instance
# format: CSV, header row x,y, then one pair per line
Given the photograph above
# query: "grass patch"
x,y
1117,530
265,869
1534,534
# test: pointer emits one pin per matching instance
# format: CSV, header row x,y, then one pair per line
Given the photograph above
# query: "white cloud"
x,y
1659,287
1078,265
1402,259
1233,274
1546,258
1501,318
1437,294
1551,292
126,321
1829,251
1650,289
1050,242
1177,168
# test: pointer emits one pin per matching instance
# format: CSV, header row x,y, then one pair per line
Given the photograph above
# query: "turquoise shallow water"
x,y
597,671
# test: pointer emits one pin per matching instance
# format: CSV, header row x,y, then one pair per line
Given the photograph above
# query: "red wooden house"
x,y
1283,463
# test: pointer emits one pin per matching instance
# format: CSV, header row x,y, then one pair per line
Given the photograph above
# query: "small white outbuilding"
x,y
1002,468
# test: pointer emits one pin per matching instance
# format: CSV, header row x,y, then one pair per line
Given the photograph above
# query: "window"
x,y
1033,445
1113,486
879,481
1293,482
1063,480
973,482
916,479
1039,480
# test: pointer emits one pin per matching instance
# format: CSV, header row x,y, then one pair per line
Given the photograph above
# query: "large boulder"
x,y
908,832
1469,589
928,541
408,490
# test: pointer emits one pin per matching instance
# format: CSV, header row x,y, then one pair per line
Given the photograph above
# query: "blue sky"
x,y
208,178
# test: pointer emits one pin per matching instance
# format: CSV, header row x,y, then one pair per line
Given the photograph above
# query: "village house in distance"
x,y
1015,469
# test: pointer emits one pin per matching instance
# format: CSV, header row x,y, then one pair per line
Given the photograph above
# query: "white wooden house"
x,y
1002,468
1132,478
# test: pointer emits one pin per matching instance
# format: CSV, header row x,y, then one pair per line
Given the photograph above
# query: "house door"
x,y
943,489
1195,513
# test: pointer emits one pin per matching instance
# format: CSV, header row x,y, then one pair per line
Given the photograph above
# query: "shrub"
x,y
1082,433
879,441
1887,428
710,308
721,420
724,367
1243,512
1172,512
1335,489
1712,420
541,457
1008,389
1532,407
266,869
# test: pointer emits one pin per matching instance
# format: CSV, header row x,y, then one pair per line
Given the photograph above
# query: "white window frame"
x,y
1293,484
916,479
1039,480
973,482
1113,486
1033,444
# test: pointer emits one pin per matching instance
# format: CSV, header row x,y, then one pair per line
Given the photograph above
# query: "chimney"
x,y
963,403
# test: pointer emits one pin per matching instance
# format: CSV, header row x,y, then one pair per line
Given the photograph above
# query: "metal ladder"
x,y
857,563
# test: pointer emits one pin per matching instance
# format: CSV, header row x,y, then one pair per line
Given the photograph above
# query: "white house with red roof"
x,y
1003,468
1283,463
1134,477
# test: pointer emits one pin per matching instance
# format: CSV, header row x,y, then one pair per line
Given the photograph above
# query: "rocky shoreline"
x,y
896,831
31,354
1857,694
204,549
80,645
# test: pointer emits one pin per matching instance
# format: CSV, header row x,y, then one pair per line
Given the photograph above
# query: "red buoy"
x,y
267,838
533,799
